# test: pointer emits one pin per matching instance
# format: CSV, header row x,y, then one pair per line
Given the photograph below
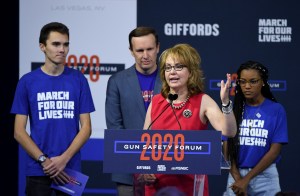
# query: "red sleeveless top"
x,y
167,121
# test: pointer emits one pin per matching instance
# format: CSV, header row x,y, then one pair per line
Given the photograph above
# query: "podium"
x,y
165,152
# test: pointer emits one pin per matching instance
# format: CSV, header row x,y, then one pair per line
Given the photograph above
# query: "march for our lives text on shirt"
x,y
55,105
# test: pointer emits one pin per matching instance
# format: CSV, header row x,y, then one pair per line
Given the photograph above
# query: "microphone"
x,y
171,97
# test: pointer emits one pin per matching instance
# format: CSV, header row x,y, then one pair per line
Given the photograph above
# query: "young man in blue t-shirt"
x,y
57,101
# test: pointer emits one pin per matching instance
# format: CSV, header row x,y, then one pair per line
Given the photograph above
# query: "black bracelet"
x,y
227,109
226,106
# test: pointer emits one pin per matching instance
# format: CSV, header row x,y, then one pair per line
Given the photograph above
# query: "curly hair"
x,y
188,56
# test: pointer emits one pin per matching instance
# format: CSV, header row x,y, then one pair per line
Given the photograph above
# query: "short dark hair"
x,y
142,31
52,27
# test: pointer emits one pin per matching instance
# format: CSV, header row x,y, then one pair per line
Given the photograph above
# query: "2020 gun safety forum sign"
x,y
162,151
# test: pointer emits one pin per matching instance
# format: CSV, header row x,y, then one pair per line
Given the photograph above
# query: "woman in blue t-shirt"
x,y
255,149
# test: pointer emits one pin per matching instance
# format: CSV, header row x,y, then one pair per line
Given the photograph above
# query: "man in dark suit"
x,y
130,91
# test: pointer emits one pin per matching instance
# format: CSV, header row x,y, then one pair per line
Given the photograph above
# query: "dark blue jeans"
x,y
41,186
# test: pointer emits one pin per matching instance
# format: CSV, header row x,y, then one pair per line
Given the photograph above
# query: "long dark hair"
x,y
239,103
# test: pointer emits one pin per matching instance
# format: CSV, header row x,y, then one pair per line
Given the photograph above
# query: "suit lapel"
x,y
133,82
157,86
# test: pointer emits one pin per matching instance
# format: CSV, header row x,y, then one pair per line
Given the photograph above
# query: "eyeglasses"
x,y
178,67
251,82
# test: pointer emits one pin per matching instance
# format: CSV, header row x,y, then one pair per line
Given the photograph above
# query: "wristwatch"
x,y
42,158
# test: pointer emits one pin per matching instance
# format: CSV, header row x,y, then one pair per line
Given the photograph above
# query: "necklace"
x,y
182,104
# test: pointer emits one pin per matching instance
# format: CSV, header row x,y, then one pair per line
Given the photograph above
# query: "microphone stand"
x,y
171,97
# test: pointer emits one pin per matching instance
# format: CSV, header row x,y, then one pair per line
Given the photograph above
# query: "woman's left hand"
x,y
224,92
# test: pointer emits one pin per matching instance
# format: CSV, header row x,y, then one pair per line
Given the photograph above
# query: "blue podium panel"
x,y
162,151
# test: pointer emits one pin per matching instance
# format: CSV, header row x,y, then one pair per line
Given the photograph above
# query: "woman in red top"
x,y
181,74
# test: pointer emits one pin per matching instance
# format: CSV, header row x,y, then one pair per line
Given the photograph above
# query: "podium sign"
x,y
162,151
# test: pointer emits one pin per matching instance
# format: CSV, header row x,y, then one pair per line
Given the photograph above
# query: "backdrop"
x,y
226,33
